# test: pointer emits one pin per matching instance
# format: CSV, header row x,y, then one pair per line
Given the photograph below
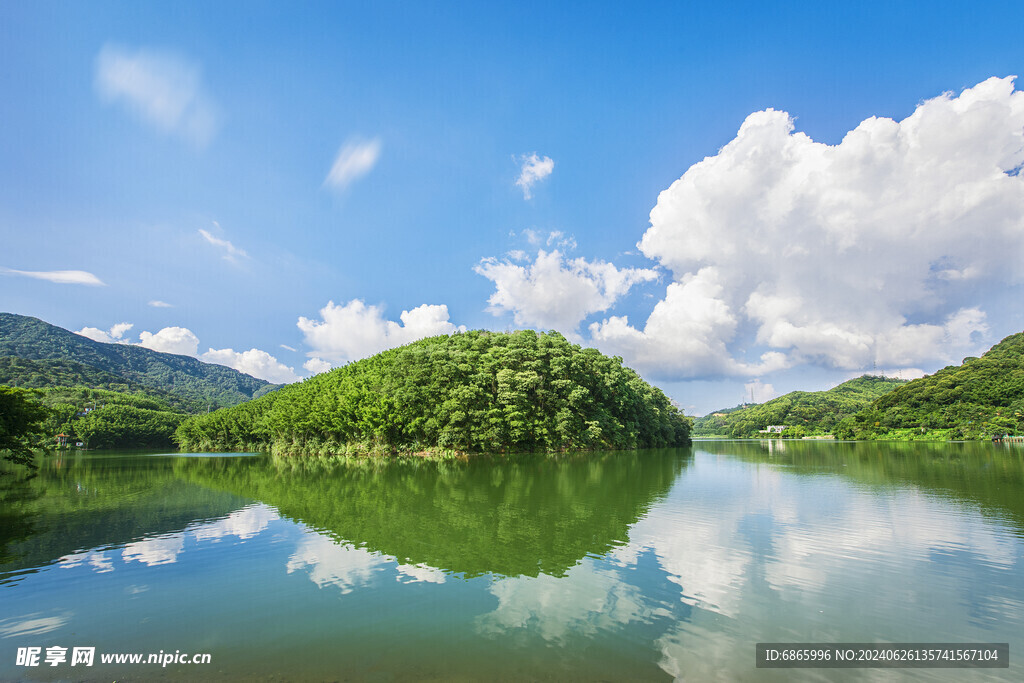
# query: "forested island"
x,y
473,392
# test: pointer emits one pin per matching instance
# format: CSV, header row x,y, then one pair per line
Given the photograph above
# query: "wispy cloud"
x,y
534,169
63,277
354,160
161,89
156,303
231,252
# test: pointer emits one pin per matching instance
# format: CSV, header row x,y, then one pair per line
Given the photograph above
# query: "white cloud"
x,y
117,331
355,330
156,303
179,340
231,252
554,292
354,160
252,362
874,250
685,334
317,365
534,169
161,89
182,341
111,336
758,392
559,240
61,277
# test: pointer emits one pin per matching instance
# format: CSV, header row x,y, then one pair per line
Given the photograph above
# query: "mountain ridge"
x,y
803,412
199,384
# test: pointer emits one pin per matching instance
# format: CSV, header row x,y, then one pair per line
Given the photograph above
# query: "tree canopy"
x,y
21,418
803,412
46,355
470,392
979,398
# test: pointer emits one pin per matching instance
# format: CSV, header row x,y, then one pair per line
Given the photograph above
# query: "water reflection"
x,y
79,506
643,566
830,545
988,478
519,516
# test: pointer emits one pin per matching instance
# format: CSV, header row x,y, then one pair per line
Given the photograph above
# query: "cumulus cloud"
x,y
252,362
533,169
182,341
61,277
114,334
231,252
179,340
355,330
868,251
554,292
317,365
685,334
354,160
156,303
161,89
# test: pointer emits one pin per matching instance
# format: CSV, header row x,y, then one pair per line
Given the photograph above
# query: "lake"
x,y
651,565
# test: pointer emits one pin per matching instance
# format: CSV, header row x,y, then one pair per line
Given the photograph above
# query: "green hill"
x,y
980,398
804,412
63,358
112,395
470,392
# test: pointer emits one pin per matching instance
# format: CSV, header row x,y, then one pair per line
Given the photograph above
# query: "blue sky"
x,y
285,188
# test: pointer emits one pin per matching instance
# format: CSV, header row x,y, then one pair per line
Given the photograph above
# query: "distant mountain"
x,y
981,397
34,353
805,412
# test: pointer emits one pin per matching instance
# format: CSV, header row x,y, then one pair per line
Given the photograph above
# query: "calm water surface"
x,y
643,566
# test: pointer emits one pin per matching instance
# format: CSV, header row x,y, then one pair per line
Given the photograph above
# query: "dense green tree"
x,y
804,412
21,418
471,392
47,356
981,398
